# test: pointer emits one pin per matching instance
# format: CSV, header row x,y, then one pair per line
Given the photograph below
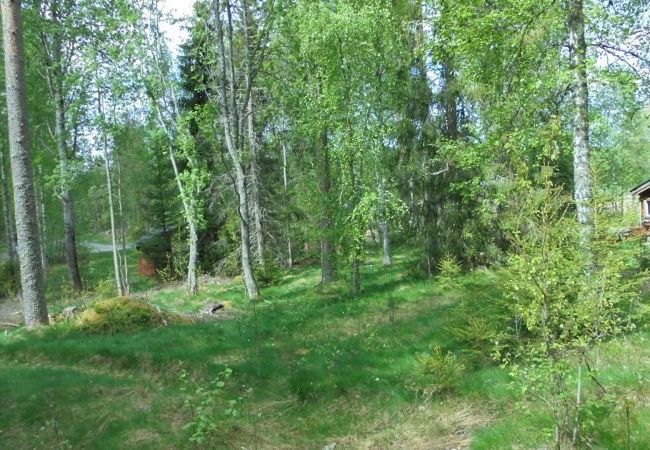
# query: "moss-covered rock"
x,y
121,314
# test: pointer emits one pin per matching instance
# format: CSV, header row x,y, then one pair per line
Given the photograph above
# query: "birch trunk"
x,y
192,282
325,185
189,213
40,209
55,76
255,185
285,179
111,210
383,223
66,198
385,239
29,250
581,150
356,275
125,262
232,132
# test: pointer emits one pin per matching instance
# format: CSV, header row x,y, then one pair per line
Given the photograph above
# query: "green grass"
x,y
311,366
97,277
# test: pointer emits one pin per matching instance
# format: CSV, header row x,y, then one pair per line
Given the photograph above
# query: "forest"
x,y
325,224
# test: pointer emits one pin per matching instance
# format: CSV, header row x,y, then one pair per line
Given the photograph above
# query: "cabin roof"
x,y
640,189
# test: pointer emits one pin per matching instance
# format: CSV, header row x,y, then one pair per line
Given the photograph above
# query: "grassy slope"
x,y
312,367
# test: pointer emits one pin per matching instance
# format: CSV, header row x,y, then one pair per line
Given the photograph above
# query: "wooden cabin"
x,y
643,193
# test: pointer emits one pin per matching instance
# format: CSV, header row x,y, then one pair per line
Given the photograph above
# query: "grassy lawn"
x,y
310,366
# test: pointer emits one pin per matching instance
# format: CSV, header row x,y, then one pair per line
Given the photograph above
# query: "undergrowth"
x,y
307,367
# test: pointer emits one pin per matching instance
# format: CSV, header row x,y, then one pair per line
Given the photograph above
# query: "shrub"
x,y
9,281
449,269
439,372
479,336
268,273
119,314
156,247
105,289
207,406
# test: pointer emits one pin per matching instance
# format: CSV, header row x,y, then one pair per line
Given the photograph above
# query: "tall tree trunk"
x,y
383,223
255,185
29,250
246,260
192,282
55,73
9,222
231,126
385,239
66,196
190,219
581,151
111,210
40,209
356,275
255,182
189,213
325,185
450,99
285,180
125,261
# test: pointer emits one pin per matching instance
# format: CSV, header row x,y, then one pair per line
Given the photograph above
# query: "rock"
x,y
70,312
212,308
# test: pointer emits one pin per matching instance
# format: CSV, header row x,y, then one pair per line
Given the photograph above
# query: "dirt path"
x,y
97,247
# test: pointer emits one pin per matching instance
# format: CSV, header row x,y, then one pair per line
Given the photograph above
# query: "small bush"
x,y
207,406
156,247
105,289
268,273
480,337
449,269
119,314
439,372
9,279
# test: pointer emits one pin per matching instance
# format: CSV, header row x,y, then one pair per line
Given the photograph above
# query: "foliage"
x,y
207,406
440,372
156,247
9,279
569,302
314,355
449,268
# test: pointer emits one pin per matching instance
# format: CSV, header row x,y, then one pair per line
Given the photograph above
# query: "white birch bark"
x,y
581,149
121,291
230,114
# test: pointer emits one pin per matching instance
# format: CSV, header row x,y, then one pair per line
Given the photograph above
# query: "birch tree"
x,y
234,98
580,92
163,93
59,45
120,283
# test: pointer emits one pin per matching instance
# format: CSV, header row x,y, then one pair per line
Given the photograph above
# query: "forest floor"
x,y
312,367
